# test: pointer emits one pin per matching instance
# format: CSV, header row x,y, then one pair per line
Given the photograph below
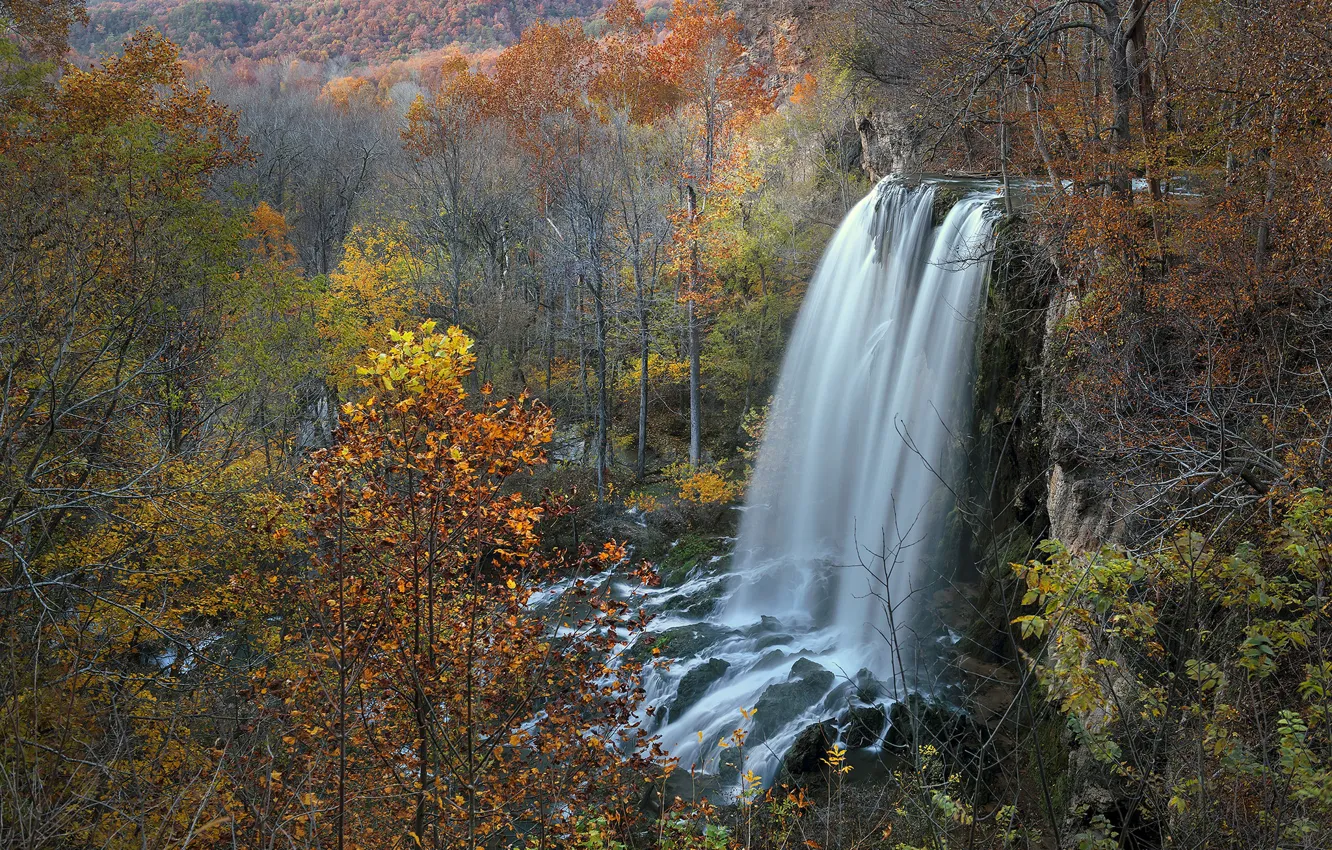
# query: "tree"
x,y
276,357
374,290
42,26
447,710
1218,657
633,95
471,204
127,463
157,245
704,59
321,149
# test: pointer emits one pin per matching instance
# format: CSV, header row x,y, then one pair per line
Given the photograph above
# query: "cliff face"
x,y
790,37
889,144
1030,482
1010,459
1030,479
1080,500
780,33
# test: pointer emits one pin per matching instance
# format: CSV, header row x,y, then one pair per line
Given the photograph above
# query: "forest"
x,y
320,30
393,395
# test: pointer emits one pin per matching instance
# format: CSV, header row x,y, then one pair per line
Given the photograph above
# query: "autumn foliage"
x,y
209,637
1175,158
427,700
321,29
124,469
1170,160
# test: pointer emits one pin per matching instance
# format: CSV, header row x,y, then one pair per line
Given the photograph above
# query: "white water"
x,y
860,453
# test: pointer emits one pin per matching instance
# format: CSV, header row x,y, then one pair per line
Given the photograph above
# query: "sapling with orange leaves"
x,y
450,713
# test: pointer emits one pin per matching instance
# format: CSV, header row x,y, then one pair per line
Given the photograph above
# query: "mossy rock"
x,y
769,641
868,688
690,786
700,605
918,721
809,749
689,552
1010,456
947,196
689,641
785,701
864,725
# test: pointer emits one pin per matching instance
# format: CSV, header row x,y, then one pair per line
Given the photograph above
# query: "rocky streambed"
x,y
791,690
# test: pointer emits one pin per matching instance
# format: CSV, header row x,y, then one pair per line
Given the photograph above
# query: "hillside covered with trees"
x,y
322,29
377,422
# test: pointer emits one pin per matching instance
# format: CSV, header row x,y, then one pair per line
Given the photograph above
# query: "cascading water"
x,y
846,508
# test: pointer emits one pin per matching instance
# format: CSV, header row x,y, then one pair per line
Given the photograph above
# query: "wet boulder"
x,y
704,603
805,667
809,749
694,684
864,725
689,787
693,552
785,701
766,625
687,641
768,641
917,721
868,688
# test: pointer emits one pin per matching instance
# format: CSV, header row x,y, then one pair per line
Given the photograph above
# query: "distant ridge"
x,y
356,30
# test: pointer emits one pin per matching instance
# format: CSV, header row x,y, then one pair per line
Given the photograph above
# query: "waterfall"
x,y
846,513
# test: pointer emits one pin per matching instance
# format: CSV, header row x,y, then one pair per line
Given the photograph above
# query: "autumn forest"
x,y
453,425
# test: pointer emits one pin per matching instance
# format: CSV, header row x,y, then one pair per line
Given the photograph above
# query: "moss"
x,y
695,684
687,641
701,605
1008,457
690,551
1044,753
1013,325
1008,388
946,196
987,636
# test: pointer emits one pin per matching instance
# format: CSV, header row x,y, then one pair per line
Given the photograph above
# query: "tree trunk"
x,y
603,398
695,401
1267,155
1121,133
1146,89
582,356
1123,86
1038,134
691,321
642,389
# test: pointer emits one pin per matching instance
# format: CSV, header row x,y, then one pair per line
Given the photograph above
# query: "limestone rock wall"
x,y
889,143
1032,478
1081,501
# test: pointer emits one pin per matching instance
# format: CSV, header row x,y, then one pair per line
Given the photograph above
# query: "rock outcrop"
x,y
785,701
889,144
808,751
864,725
1081,500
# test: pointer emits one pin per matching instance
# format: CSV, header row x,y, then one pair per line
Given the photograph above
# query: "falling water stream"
x,y
846,515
